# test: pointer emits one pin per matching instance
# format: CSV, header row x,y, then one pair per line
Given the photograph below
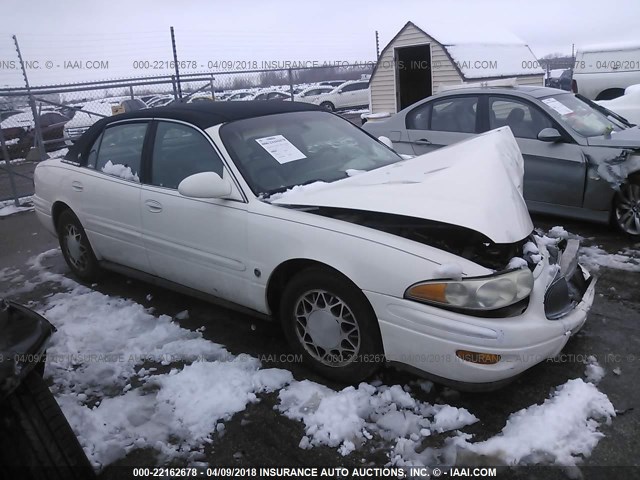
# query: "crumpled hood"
x,y
475,184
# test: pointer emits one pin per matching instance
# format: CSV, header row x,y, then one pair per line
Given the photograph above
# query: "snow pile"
x,y
348,418
297,189
119,170
448,270
593,372
176,414
103,362
561,431
11,209
594,258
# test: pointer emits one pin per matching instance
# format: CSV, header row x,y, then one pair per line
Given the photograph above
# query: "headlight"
x,y
477,293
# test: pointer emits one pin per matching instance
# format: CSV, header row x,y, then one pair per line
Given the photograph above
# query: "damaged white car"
x,y
296,214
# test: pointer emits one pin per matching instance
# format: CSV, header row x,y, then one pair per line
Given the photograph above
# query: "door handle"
x,y
153,206
77,186
423,141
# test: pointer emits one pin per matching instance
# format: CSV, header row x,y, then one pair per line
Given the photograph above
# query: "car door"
x,y
554,173
352,95
441,122
199,243
106,193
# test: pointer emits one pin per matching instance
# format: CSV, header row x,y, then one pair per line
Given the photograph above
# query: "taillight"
x,y
574,86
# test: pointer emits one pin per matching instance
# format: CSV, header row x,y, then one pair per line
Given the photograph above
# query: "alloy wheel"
x,y
327,328
627,210
76,251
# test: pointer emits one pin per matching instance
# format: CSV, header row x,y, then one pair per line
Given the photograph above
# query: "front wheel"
x,y
75,247
328,106
328,320
626,209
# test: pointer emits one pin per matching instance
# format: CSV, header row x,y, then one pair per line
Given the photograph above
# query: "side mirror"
x,y
205,185
549,135
387,141
339,91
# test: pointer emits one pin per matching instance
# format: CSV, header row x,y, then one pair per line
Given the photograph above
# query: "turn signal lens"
x,y
475,293
477,357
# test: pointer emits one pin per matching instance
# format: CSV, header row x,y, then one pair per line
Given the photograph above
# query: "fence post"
x,y
131,92
7,160
175,90
175,61
213,90
32,103
290,75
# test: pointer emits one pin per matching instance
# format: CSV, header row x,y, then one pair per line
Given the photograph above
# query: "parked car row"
x,y
330,95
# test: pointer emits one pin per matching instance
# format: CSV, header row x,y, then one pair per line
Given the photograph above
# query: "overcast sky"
x,y
122,32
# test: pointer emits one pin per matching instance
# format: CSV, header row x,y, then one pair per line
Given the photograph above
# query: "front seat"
x,y
515,121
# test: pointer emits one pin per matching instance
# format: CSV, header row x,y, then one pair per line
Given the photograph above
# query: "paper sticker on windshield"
x,y
280,148
557,106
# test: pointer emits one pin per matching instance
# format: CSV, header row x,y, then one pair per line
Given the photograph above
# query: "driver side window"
x,y
180,151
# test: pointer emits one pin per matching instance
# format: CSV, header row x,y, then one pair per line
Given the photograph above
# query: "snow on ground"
x,y
11,209
21,200
561,431
346,419
104,345
595,257
593,372
127,379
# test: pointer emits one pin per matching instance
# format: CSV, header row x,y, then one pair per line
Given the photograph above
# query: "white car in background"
x,y
602,72
351,94
242,96
627,106
291,213
310,94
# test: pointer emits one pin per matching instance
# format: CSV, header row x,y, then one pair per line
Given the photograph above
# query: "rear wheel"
x,y
328,320
75,247
36,437
328,106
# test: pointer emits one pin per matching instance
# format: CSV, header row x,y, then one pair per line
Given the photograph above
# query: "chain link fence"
x,y
40,122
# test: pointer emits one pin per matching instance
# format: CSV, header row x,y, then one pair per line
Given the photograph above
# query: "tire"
x,y
328,106
37,440
626,209
347,346
79,254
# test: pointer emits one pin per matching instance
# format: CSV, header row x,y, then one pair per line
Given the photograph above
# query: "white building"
x,y
416,64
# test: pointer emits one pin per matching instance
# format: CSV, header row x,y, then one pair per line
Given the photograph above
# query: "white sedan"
x,y
352,94
295,214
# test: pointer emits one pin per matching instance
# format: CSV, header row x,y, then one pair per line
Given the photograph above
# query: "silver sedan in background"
x,y
581,160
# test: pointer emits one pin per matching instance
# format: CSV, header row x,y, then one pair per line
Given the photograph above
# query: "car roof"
x,y
519,91
200,114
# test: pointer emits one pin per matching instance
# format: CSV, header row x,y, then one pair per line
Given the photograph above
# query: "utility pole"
x,y
32,103
175,61
377,46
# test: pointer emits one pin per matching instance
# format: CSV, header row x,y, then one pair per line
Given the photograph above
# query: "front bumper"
x,y
426,338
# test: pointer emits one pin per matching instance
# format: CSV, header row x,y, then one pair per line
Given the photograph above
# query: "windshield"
x,y
580,116
277,152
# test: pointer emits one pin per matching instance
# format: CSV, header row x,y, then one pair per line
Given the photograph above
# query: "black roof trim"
x,y
200,114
